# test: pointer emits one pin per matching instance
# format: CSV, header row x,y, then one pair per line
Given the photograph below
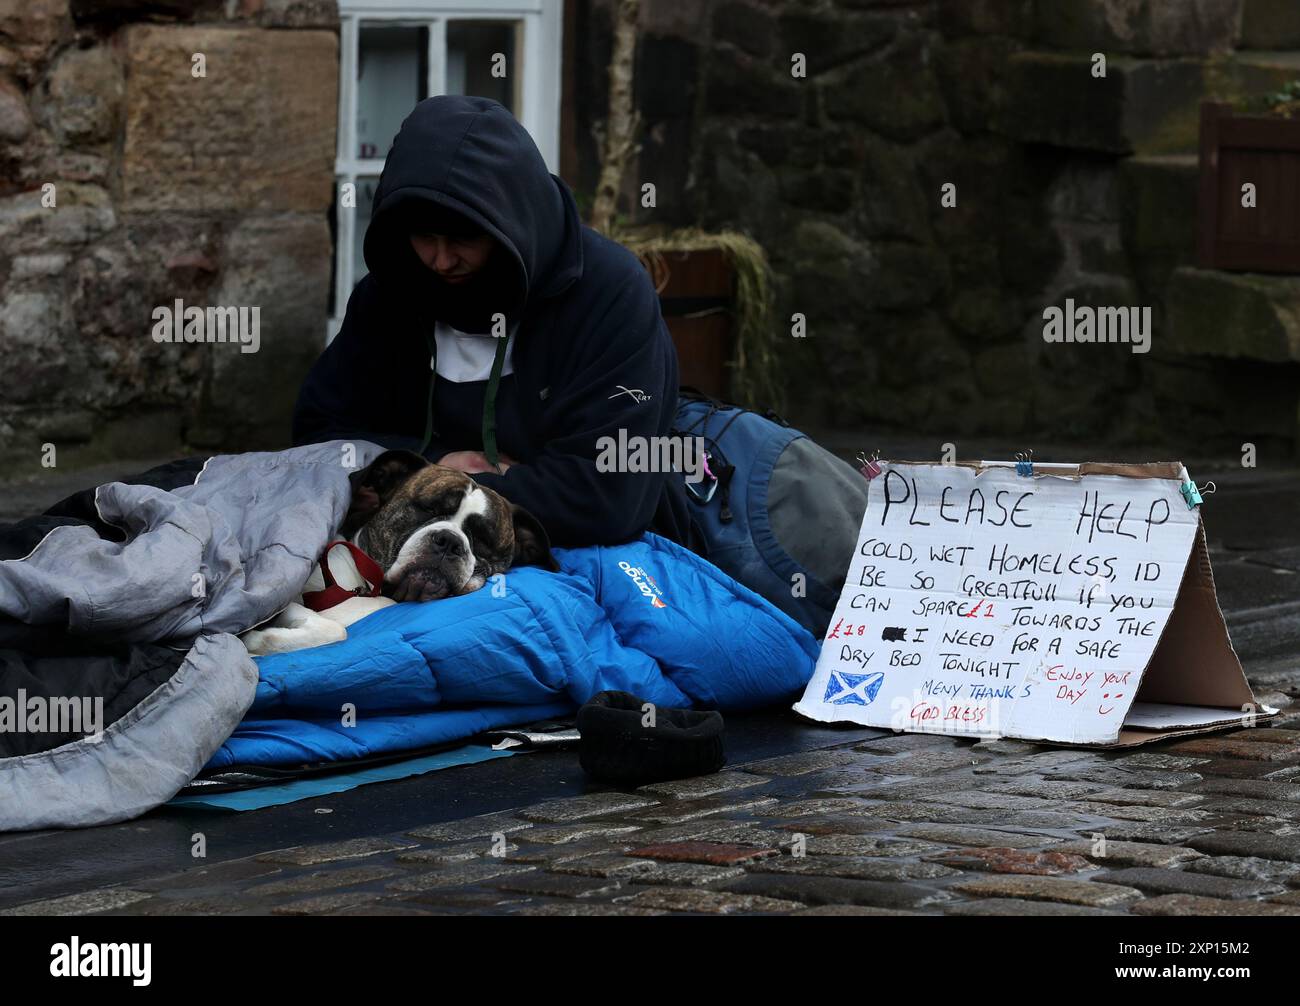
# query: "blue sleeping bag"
x,y
647,617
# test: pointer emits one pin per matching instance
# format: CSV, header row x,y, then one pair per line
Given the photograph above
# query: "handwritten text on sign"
x,y
999,605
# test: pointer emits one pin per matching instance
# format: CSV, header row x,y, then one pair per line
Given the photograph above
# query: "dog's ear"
x,y
532,544
373,485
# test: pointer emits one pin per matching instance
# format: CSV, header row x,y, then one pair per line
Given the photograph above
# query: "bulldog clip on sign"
x,y
1072,604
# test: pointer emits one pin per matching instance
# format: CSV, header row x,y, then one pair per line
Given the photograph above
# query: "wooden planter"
x,y
696,296
1262,150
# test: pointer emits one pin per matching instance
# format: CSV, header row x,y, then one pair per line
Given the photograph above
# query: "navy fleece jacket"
x,y
585,319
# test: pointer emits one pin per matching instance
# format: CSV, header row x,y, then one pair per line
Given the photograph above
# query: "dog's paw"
x,y
256,642
318,632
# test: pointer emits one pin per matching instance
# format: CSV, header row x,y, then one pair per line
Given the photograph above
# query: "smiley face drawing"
x,y
1107,695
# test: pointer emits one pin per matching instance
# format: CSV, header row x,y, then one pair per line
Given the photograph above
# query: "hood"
x,y
471,156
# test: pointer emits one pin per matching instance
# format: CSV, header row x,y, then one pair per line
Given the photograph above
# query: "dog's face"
x,y
435,531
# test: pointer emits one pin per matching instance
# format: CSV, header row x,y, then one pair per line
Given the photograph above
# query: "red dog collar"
x,y
320,600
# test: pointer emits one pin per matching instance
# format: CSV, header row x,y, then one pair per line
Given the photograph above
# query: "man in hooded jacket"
x,y
497,334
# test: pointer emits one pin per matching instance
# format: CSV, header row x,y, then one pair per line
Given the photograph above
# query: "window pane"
x,y
471,56
365,200
392,75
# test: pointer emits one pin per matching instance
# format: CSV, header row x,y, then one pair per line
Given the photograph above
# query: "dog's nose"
x,y
446,541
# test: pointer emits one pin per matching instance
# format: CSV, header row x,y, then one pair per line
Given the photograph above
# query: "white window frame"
x,y
540,50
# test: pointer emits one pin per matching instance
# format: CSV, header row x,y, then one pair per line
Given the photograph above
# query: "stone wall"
x,y
213,190
216,191
928,318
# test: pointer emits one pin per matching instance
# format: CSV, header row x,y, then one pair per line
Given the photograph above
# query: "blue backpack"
x,y
781,514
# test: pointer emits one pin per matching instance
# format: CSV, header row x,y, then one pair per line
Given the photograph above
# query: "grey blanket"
x,y
83,616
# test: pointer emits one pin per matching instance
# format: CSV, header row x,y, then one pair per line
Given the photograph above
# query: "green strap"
x,y
490,404
433,380
489,399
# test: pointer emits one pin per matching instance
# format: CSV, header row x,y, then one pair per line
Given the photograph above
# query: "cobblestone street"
x,y
897,824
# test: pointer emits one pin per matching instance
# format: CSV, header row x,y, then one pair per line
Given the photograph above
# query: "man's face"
x,y
454,258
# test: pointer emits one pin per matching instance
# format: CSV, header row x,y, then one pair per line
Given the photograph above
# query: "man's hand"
x,y
470,462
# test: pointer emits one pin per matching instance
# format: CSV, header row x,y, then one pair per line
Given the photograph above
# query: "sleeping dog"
x,y
415,531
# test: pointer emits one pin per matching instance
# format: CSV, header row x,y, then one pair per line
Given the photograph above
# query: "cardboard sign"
x,y
1073,605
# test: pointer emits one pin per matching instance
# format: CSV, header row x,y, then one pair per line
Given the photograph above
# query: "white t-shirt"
x,y
466,356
